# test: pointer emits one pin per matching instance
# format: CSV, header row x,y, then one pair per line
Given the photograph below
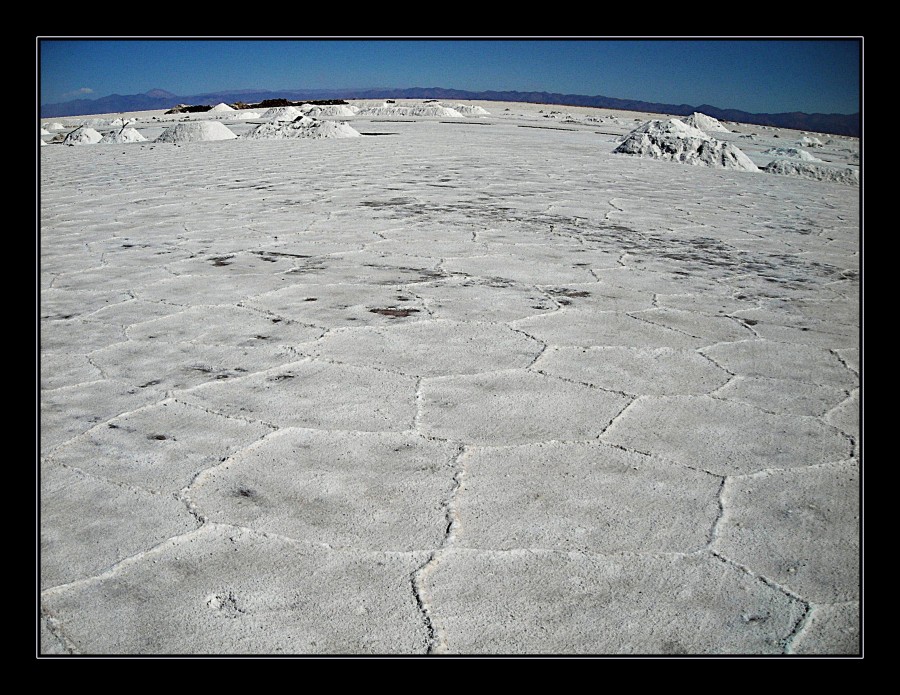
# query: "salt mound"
x,y
219,108
303,127
83,136
816,172
330,111
44,131
41,142
467,110
429,110
707,124
674,140
791,153
245,115
281,113
806,141
196,132
123,135
55,126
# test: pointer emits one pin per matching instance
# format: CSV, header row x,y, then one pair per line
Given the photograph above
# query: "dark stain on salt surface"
x,y
566,292
280,377
387,203
152,382
159,437
220,261
394,313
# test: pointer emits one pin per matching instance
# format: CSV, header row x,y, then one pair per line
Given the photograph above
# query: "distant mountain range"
x,y
836,123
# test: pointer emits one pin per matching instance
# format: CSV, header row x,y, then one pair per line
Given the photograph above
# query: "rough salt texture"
x,y
379,491
638,371
511,408
478,387
525,602
198,594
737,438
89,524
524,497
831,630
811,170
798,527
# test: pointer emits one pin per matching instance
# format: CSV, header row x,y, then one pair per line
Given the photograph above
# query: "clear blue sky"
x,y
761,76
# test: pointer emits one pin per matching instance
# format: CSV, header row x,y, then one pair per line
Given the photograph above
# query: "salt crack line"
x,y
771,583
437,640
54,626
720,516
88,474
550,375
212,411
119,565
800,625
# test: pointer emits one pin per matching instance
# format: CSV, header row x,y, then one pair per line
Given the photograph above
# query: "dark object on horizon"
x,y
187,108
272,103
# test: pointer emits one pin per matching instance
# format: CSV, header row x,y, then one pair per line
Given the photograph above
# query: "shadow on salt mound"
x,y
423,110
673,140
199,131
123,135
707,124
791,153
303,127
281,113
807,141
329,111
83,136
811,170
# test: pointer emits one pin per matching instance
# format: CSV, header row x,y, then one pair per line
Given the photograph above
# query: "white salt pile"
x,y
196,132
303,127
55,126
123,135
245,115
329,111
791,153
707,124
423,110
83,136
41,142
816,172
675,141
44,131
220,108
807,141
467,110
281,113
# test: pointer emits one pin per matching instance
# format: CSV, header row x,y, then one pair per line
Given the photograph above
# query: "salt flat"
x,y
474,385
